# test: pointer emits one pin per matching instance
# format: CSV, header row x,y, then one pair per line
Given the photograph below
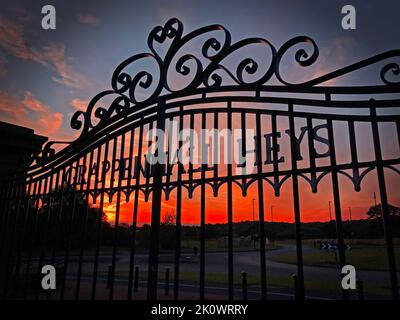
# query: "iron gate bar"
x,y
147,165
336,201
45,222
353,148
85,221
178,212
131,165
99,221
168,169
155,213
117,211
81,197
275,160
311,147
191,154
134,218
230,218
296,207
57,242
261,209
384,204
72,192
202,216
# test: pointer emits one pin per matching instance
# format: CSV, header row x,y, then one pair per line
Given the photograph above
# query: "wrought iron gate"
x,y
56,207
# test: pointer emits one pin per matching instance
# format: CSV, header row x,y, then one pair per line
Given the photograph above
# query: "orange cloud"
x,y
55,55
79,104
52,123
12,40
32,113
52,56
33,104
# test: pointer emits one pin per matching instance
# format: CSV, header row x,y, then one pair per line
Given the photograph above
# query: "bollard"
x,y
109,277
167,281
296,287
136,281
244,285
360,289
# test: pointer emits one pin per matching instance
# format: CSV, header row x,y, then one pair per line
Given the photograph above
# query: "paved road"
x,y
217,262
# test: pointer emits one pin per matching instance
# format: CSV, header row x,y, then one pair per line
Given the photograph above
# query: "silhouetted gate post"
x,y
157,173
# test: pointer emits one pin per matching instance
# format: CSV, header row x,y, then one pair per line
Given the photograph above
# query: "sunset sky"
x,y
47,75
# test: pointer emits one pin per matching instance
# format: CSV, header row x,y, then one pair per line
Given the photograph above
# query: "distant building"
x,y
18,146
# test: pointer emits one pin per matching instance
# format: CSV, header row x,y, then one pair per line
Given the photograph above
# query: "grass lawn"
x,y
216,245
365,258
354,242
277,281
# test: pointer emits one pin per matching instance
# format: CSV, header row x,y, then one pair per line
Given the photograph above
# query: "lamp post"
x,y
377,218
330,211
254,223
272,226
272,214
351,233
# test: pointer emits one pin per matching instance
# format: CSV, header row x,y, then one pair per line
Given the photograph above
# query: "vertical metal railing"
x,y
156,211
86,207
99,221
135,211
117,210
336,201
296,204
384,203
74,194
260,191
178,211
229,206
202,217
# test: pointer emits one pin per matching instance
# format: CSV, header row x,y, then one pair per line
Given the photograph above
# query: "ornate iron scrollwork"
x,y
124,85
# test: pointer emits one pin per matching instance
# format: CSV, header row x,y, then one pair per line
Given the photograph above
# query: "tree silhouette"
x,y
375,212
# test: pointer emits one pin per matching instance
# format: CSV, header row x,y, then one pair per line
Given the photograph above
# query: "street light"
x,y
272,226
272,215
254,223
351,232
377,209
330,211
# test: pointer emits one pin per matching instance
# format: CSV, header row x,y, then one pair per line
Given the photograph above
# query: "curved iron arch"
x,y
213,51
